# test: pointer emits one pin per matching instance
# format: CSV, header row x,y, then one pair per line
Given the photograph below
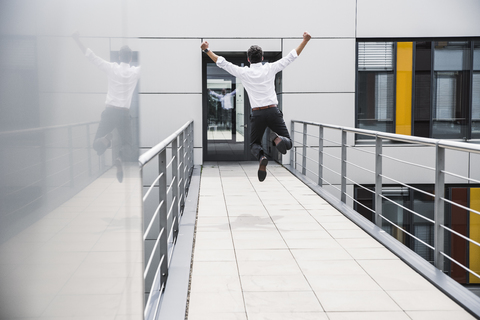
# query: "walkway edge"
x,y
174,301
444,283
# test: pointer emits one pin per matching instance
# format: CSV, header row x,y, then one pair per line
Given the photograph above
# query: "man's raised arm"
x,y
210,53
306,38
76,37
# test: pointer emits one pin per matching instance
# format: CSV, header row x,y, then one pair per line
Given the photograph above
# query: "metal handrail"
x,y
163,202
299,153
30,130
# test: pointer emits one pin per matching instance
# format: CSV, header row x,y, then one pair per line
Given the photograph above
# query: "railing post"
x,y
175,181
320,156
192,146
189,148
292,151
378,181
183,168
439,207
162,188
344,167
304,152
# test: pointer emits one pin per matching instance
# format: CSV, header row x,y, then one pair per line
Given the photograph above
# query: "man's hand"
x,y
306,36
212,55
76,37
204,45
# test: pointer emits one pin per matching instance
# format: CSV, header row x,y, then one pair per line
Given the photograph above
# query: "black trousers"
x,y
116,118
262,119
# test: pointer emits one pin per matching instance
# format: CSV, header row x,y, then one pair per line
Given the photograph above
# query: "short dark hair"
x,y
125,54
255,54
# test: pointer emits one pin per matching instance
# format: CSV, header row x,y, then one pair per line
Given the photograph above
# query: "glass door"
x,y
226,112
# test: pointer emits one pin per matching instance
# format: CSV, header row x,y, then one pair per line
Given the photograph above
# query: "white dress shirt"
x,y
259,79
122,80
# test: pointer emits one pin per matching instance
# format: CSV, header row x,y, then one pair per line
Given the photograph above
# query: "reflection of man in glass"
x,y
226,101
122,80
259,81
224,98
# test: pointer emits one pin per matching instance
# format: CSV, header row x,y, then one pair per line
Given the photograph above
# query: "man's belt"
x,y
266,107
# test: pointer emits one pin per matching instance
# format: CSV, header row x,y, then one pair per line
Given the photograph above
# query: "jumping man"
x,y
259,81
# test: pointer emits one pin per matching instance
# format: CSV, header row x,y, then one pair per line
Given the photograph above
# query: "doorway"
x,y
226,110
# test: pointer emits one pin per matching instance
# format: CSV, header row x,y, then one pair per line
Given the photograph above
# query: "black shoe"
x,y
118,165
262,169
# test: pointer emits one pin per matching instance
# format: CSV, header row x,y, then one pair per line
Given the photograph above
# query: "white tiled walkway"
x,y
277,251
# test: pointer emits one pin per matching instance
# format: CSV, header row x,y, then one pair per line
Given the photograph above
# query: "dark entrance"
x,y
226,110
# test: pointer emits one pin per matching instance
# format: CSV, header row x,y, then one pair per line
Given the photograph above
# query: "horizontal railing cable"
x,y
460,235
152,186
459,176
460,265
406,232
409,186
407,162
147,231
407,209
461,206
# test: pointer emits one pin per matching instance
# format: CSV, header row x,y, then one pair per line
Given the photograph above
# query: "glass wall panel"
x,y
376,91
450,85
421,107
476,91
423,229
376,101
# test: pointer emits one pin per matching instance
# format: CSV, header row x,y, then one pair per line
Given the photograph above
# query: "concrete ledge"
x,y
447,285
174,300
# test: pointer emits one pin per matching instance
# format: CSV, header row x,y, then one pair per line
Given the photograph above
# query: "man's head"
x,y
125,54
255,54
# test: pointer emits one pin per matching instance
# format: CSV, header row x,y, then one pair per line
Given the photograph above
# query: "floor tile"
x,y
288,316
281,302
398,315
439,315
293,282
337,301
423,300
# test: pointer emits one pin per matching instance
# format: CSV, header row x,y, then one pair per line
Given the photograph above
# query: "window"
x,y
375,86
444,88
450,97
476,91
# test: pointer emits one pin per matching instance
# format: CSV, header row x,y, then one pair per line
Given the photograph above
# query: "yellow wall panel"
x,y
403,123
475,234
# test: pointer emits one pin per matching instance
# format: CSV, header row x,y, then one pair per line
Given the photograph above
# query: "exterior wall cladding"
x,y
319,86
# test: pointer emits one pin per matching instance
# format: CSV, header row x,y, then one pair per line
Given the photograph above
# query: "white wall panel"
x,y
411,18
242,45
163,114
106,18
62,67
474,167
248,18
66,108
325,65
330,108
168,65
